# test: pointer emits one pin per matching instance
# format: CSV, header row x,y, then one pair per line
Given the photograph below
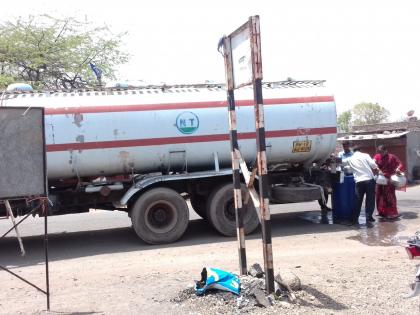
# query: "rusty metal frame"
x,y
261,201
233,135
44,211
44,206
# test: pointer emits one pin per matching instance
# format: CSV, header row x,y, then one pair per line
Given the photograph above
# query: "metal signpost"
x,y
243,66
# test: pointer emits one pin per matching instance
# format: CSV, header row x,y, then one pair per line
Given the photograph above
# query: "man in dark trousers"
x,y
364,169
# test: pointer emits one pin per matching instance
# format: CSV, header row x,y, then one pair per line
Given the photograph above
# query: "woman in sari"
x,y
386,201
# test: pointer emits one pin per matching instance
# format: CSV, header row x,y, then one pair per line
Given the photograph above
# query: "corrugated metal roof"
x,y
169,88
386,135
379,128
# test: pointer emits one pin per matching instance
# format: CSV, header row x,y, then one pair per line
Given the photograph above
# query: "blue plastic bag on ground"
x,y
212,278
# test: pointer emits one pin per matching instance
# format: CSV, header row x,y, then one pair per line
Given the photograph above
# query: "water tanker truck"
x,y
147,150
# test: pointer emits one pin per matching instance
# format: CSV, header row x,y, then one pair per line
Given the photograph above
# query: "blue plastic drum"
x,y
343,199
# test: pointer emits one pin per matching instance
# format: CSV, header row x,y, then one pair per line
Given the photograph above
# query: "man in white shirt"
x,y
364,169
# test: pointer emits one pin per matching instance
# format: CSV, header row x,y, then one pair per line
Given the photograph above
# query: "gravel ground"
x,y
364,289
342,270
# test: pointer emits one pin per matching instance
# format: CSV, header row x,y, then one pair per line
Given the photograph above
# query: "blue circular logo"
x,y
187,122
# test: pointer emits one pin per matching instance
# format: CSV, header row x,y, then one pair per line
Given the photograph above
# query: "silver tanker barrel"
x,y
145,150
102,133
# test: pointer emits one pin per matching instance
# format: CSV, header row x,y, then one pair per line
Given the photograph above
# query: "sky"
x,y
368,51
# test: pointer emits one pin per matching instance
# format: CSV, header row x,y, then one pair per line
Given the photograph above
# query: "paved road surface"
x,y
98,220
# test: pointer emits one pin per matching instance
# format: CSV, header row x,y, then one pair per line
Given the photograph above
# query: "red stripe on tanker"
x,y
169,106
112,134
174,140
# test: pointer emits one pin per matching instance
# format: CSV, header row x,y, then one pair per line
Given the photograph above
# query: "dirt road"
x,y
98,266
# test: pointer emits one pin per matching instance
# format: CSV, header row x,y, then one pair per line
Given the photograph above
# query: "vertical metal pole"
x,y
237,184
47,272
233,133
263,188
261,154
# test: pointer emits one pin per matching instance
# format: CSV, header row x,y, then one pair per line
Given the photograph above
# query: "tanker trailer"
x,y
146,150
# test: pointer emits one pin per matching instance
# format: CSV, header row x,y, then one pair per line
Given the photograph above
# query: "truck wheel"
x,y
160,216
199,204
221,211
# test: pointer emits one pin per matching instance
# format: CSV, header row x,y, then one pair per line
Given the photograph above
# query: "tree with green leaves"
x,y
53,53
344,121
369,113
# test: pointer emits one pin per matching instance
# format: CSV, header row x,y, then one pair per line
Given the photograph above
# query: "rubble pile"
x,y
252,299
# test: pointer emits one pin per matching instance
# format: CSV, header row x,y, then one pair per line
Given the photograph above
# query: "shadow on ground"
x,y
89,243
321,301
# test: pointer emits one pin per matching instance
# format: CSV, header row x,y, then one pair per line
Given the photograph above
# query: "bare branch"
x,y
62,30
41,39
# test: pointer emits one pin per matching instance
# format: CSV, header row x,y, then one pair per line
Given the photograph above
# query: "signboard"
x,y
241,57
22,152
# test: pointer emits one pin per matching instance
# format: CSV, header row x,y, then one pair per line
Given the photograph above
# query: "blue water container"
x,y
343,199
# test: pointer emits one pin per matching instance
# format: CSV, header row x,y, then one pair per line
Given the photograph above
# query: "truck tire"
x,y
160,216
199,204
221,211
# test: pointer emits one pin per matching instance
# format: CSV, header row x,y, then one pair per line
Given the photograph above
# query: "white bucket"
x,y
381,180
